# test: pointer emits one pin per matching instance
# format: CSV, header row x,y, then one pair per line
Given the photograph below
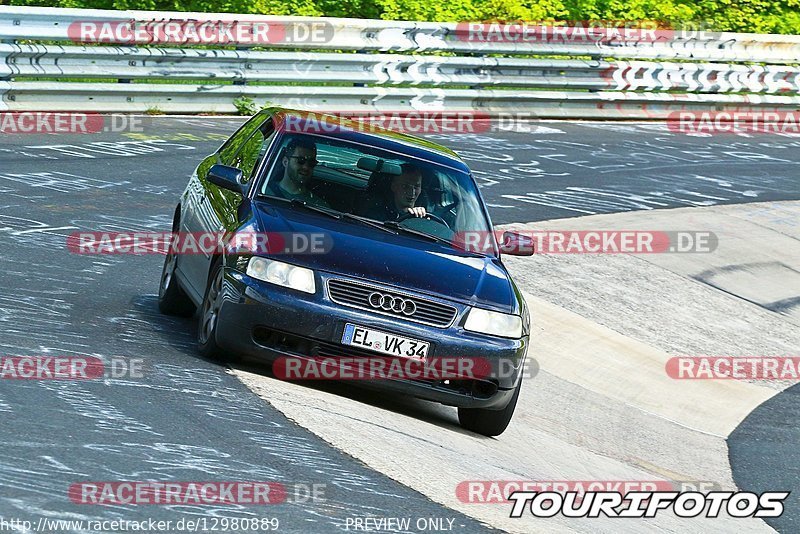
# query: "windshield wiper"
x,y
397,226
393,227
435,238
296,202
368,222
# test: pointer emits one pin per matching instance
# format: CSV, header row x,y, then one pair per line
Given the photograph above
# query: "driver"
x,y
404,190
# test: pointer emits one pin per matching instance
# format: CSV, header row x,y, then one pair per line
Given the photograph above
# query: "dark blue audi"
x,y
389,279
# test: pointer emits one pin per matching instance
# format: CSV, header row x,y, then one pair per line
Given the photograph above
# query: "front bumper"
x,y
265,321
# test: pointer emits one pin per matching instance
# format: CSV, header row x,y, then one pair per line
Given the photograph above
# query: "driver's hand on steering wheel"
x,y
418,211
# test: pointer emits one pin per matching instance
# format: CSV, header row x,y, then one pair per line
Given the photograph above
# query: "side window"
x,y
441,189
232,145
252,152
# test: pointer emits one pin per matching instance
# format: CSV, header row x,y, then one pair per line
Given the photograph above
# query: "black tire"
x,y
209,317
489,422
172,299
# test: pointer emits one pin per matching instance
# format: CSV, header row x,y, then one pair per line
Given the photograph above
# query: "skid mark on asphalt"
x,y
214,429
594,168
105,417
774,286
121,223
60,182
624,174
97,149
36,320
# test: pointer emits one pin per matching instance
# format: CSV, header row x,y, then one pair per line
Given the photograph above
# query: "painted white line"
x,y
48,229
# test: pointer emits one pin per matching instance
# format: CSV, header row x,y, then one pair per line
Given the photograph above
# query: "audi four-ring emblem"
x,y
391,303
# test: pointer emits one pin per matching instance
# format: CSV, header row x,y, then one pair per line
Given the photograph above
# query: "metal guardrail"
x,y
110,97
384,69
379,35
617,82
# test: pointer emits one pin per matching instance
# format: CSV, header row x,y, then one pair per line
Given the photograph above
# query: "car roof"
x,y
325,125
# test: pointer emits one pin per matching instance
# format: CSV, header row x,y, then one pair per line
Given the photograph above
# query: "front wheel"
x,y
209,317
172,299
489,422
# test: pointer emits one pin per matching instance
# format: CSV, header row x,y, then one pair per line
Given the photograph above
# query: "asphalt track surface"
x,y
763,453
188,419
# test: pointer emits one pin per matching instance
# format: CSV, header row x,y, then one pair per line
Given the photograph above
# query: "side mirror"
x,y
515,244
229,178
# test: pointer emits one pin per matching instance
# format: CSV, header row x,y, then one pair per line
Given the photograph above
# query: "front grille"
x,y
357,295
308,347
331,350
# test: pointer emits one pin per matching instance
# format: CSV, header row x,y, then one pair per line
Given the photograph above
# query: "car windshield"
x,y
375,184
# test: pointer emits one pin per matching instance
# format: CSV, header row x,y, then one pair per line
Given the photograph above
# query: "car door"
x,y
208,209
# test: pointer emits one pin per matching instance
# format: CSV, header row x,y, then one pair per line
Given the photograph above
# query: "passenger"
x,y
299,160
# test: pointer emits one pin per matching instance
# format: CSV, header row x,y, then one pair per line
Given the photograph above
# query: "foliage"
x,y
245,106
758,16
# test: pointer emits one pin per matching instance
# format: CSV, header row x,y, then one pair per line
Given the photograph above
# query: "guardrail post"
x,y
131,63
242,81
4,88
360,84
15,22
6,52
477,87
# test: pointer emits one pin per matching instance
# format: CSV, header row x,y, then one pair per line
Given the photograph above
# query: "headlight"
x,y
282,274
494,323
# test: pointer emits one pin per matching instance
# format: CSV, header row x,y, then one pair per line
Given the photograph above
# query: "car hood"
x,y
403,261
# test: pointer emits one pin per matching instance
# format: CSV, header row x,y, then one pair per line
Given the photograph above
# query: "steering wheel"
x,y
448,207
406,216
447,210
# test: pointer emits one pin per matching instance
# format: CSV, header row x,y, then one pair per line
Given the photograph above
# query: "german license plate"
x,y
383,342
